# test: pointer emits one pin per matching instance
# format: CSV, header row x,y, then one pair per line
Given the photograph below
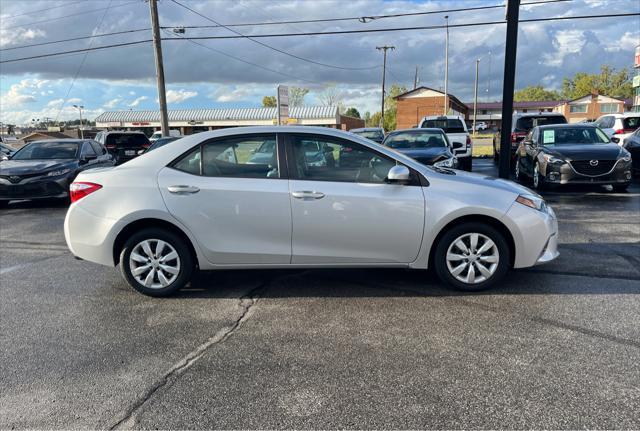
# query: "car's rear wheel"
x,y
472,257
156,262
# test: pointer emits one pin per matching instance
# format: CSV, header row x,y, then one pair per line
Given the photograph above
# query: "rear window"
x,y
127,140
631,122
524,124
450,125
374,135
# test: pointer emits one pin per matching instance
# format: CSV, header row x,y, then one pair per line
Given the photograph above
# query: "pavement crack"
x,y
129,418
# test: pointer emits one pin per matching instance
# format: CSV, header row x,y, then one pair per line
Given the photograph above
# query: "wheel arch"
x,y
476,218
146,223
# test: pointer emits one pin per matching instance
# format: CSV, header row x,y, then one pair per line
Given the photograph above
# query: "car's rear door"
x,y
343,210
238,210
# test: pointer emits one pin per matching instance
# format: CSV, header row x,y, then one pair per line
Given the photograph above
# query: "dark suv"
x,y
123,145
521,126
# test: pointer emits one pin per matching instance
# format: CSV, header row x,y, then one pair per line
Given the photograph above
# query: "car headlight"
x,y
58,172
552,159
531,201
446,163
624,155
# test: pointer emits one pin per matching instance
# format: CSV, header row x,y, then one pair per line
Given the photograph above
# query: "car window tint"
x,y
97,148
524,124
325,159
87,150
127,140
47,150
190,162
450,125
631,122
252,156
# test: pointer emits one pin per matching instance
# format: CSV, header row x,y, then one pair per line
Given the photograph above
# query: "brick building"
x,y
413,105
590,107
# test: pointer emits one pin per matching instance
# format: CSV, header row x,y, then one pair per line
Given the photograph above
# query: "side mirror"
x,y
88,157
615,140
458,145
398,174
4,158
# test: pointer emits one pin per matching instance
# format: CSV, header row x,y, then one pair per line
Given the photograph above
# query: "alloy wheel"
x,y
154,263
536,176
472,258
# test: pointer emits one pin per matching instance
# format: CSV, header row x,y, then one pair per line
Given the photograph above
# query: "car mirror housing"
x,y
615,140
458,145
398,174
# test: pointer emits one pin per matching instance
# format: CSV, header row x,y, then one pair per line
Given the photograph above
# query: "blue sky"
x,y
197,77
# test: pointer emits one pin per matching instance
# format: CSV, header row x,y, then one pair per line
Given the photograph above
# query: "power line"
x,y
42,10
226,54
260,23
379,30
69,15
84,58
365,19
272,47
75,38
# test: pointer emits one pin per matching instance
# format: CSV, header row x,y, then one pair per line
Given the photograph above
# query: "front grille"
x,y
34,190
21,176
585,167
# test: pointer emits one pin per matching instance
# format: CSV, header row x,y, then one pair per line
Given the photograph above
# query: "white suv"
x,y
456,130
619,126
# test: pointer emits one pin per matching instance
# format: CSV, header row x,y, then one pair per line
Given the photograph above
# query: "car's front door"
x,y
238,209
343,210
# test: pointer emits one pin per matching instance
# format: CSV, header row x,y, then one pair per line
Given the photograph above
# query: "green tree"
x,y
534,93
296,96
269,101
608,82
352,112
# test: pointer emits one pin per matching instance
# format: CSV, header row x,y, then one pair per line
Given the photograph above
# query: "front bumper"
x,y
621,173
34,188
535,235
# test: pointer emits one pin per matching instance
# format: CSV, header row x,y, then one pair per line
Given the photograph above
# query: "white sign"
x,y
283,104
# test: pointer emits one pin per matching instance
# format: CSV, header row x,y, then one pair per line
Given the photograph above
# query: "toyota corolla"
x,y
205,203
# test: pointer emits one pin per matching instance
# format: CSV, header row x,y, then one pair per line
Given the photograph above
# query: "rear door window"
x,y
253,156
122,140
631,122
449,125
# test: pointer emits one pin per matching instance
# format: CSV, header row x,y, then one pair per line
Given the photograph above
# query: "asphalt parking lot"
x,y
555,346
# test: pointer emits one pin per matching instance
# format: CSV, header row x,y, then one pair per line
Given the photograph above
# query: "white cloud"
x,y
112,103
179,96
14,36
566,42
132,93
137,101
22,92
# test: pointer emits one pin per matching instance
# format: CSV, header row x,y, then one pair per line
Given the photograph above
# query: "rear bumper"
x,y
88,236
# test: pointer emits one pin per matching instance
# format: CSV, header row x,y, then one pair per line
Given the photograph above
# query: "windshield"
x,y
374,135
416,140
524,124
573,135
161,143
47,151
451,125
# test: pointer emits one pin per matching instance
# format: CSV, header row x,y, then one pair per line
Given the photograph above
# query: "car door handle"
x,y
306,194
183,190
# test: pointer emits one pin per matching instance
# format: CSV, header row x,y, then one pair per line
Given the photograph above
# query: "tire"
x,y
156,286
537,179
4,204
466,163
620,188
499,251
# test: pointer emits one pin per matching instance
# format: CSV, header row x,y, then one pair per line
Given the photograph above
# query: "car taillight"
x,y
79,190
468,141
145,146
623,131
111,147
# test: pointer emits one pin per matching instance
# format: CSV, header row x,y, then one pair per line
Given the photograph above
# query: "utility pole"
x,y
489,80
415,79
513,9
162,97
475,99
384,71
446,68
80,108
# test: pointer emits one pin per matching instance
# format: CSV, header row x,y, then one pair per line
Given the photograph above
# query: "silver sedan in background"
x,y
206,202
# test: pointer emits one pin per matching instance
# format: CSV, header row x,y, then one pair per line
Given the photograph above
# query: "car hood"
x,y
484,181
426,155
23,167
584,152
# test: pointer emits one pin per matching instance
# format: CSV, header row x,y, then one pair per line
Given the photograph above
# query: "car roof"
x,y
418,130
367,129
568,126
623,115
123,131
442,117
538,114
68,140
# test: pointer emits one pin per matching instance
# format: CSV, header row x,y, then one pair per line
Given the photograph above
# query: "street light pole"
x,y
80,108
475,99
446,67
384,71
162,97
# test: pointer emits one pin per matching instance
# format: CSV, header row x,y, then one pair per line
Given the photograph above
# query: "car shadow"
x,y
38,203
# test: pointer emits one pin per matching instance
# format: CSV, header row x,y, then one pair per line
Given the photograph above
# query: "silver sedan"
x,y
315,197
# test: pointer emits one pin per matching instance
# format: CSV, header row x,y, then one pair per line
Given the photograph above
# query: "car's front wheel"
x,y
472,256
156,262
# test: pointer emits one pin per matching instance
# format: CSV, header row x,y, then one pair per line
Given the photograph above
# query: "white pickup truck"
x,y
456,130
